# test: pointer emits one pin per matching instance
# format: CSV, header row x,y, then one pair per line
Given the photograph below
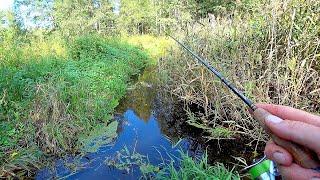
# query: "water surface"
x,y
141,130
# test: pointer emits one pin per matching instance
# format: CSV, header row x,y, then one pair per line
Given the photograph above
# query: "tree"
x,y
136,16
76,17
33,14
152,16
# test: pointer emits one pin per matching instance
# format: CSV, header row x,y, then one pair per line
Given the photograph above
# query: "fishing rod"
x,y
246,100
301,155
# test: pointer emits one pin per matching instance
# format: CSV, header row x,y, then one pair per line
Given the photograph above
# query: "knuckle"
x,y
269,150
286,173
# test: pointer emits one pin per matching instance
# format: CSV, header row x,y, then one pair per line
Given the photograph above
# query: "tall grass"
x,y
47,102
196,169
272,54
17,49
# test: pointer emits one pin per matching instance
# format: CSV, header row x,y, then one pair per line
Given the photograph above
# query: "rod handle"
x,y
301,155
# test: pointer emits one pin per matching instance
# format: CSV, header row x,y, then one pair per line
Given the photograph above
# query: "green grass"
x,y
47,103
196,169
156,47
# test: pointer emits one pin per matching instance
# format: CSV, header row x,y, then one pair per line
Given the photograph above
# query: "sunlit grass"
x,y
16,51
155,46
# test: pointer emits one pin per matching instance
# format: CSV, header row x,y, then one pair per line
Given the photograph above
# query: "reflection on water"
x,y
141,129
141,95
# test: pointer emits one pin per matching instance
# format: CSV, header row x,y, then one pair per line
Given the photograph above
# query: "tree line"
x,y
109,17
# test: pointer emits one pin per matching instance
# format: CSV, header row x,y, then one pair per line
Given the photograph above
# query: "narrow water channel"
x,y
143,130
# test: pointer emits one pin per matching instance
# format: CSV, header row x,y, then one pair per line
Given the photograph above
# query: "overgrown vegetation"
x,y
64,66
47,103
271,53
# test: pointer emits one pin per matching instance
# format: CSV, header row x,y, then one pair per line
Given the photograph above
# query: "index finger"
x,y
285,112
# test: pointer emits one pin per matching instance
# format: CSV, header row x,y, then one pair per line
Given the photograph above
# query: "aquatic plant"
x,y
126,160
183,168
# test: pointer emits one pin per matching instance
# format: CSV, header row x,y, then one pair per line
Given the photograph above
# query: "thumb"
x,y
296,131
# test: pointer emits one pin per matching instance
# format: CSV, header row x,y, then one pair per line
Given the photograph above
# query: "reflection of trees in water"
x,y
144,98
171,118
140,100
165,111
141,96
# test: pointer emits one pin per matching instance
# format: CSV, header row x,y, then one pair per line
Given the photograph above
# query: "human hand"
x,y
297,126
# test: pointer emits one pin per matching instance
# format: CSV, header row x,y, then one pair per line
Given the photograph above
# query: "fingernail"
x,y
279,157
273,119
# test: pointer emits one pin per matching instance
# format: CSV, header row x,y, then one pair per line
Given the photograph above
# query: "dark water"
x,y
143,129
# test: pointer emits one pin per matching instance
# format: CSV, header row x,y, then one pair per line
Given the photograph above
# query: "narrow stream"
x,y
142,130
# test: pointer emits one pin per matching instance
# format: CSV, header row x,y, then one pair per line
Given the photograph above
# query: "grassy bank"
x,y
270,51
49,102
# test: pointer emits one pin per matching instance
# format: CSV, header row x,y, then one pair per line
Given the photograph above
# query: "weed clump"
x,y
196,169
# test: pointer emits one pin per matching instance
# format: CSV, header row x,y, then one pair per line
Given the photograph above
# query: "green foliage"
x,y
137,16
32,14
72,18
24,160
59,86
17,49
152,16
156,47
203,7
196,169
221,132
215,132
52,101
